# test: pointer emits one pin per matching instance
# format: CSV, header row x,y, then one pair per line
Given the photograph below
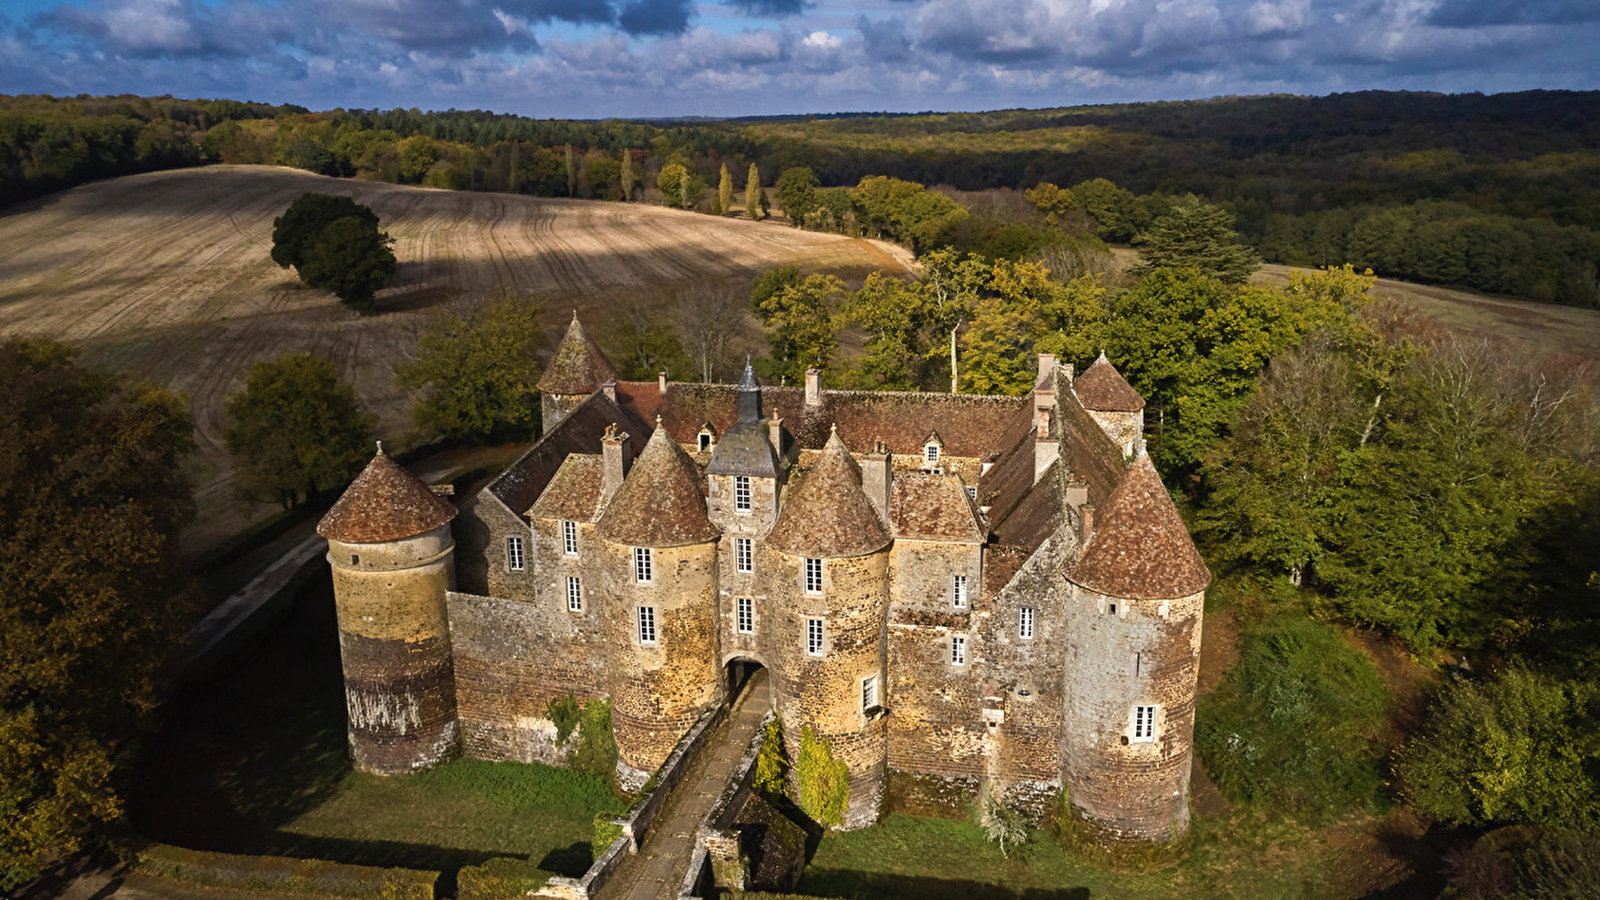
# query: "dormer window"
x,y
705,439
930,455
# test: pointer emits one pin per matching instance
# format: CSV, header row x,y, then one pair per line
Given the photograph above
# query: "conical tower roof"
x,y
827,514
384,503
659,503
1139,548
578,367
1103,389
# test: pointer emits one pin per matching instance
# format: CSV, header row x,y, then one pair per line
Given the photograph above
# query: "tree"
x,y
296,231
1196,235
92,497
799,319
797,193
709,320
640,343
725,192
670,181
1052,201
626,176
753,198
1117,213
473,373
334,243
297,429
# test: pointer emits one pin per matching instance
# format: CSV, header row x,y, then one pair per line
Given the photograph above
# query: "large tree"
x,y
334,243
91,501
753,197
473,373
1196,235
297,429
797,193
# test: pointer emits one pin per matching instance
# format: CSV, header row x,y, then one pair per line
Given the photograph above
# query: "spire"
x,y
828,514
749,394
659,503
384,503
1103,389
578,367
1140,548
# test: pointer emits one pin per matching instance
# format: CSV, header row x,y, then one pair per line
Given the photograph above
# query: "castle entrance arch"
x,y
738,671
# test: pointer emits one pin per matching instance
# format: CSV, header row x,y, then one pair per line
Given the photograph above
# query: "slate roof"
x,y
521,484
384,503
1103,389
578,367
660,503
1139,547
744,450
826,514
573,494
928,507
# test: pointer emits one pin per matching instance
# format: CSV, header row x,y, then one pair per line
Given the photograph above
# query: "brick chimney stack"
x,y
617,460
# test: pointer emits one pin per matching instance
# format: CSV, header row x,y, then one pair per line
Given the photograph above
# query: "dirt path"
x,y
167,275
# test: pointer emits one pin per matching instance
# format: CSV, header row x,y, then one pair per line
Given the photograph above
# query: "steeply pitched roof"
x,y
1103,389
1139,547
659,503
384,503
744,450
827,514
926,507
574,493
578,367
578,432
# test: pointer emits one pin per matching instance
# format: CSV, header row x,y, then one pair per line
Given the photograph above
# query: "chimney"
x,y
618,458
661,382
1088,522
1044,393
775,436
1067,372
1047,364
877,478
813,386
1045,451
1077,495
610,387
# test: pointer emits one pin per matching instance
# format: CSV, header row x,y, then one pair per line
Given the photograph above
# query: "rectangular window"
x,y
747,616
972,492
642,571
813,576
741,493
647,624
958,650
569,538
814,637
514,554
930,454
1144,723
1025,622
574,594
741,555
869,692
959,591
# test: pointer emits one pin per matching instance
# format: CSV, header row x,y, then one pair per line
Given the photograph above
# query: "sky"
x,y
661,58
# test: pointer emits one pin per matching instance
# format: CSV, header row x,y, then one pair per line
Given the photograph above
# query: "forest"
x,y
1494,193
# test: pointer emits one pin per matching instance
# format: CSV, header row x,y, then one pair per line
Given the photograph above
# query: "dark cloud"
x,y
580,12
775,8
1479,13
647,17
885,40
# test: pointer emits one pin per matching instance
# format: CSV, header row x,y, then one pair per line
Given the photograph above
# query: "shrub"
x,y
564,713
502,878
823,781
282,875
597,746
771,763
1000,823
606,830
1295,725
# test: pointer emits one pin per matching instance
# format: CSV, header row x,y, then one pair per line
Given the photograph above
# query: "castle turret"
x,y
1136,596
827,574
1113,403
743,481
392,556
659,573
577,371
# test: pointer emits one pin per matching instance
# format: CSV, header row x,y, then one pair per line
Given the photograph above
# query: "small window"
x,y
1025,623
958,594
741,493
647,624
930,455
869,692
569,538
1113,608
574,594
1144,723
972,492
814,637
813,576
514,554
355,559
741,555
642,567
705,441
958,650
747,616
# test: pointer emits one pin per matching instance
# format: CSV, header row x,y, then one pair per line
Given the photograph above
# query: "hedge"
x,y
283,875
501,878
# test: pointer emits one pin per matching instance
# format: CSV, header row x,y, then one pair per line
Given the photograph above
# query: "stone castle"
x,y
951,589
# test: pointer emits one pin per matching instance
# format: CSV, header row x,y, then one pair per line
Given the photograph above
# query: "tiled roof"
x,y
1036,516
578,367
384,503
744,450
520,485
573,494
659,503
1139,547
826,514
929,507
1103,389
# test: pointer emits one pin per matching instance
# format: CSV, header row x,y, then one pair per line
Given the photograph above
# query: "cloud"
x,y
647,17
773,8
1477,13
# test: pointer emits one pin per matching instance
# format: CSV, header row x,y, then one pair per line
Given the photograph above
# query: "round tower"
x,y
826,569
659,568
1136,595
574,374
393,559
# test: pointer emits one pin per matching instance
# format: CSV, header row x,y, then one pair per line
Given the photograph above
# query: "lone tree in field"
x,y
333,243
797,193
92,496
1196,235
297,429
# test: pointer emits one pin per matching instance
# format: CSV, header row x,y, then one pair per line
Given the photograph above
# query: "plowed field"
x,y
168,275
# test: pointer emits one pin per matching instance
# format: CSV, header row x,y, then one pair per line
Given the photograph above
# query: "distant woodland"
x,y
1496,193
